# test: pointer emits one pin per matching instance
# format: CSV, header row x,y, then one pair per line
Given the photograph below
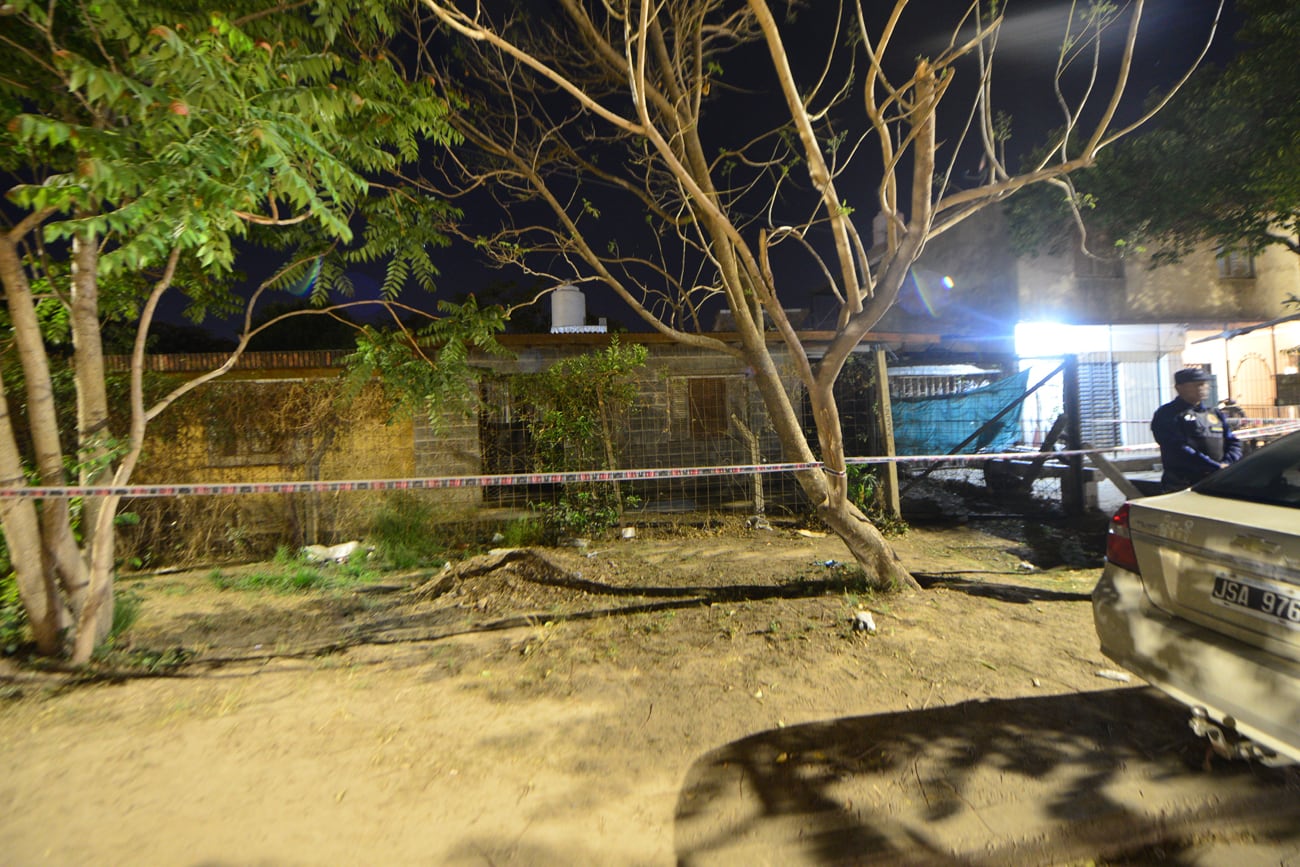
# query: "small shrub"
x,y
523,532
867,493
579,513
404,534
14,632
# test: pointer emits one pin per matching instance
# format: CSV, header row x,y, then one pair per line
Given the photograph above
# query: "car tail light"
x,y
1119,542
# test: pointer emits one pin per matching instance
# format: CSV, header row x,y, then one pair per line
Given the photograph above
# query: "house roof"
x,y
199,362
303,360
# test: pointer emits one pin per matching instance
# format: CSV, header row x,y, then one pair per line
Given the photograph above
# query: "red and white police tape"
x,y
200,489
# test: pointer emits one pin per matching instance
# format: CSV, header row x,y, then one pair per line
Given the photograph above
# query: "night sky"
x,y
1172,32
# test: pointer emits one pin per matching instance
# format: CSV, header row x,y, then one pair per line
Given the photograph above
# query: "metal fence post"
x,y
884,412
1072,483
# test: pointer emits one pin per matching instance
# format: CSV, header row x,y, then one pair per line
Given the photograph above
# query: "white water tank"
x,y
569,311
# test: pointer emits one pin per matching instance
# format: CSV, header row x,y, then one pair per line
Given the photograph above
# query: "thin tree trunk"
x,y
94,439
46,612
63,561
826,489
96,618
751,439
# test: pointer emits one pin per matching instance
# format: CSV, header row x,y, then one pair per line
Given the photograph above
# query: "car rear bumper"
x,y
1255,693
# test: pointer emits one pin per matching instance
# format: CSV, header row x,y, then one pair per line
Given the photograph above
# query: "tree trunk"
x,y
46,612
866,544
755,456
62,561
94,439
95,620
826,488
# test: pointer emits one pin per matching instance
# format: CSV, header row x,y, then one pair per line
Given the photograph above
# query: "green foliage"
x,y
577,403
126,611
523,532
289,573
14,632
577,406
158,134
866,491
579,513
404,533
213,129
428,370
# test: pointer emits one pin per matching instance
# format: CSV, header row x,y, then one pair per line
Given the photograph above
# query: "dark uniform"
x,y
1194,442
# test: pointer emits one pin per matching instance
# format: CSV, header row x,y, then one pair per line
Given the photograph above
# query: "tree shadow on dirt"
x,y
529,588
1015,593
403,625
1110,775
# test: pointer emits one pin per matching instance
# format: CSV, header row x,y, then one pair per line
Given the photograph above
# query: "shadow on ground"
x,y
1113,775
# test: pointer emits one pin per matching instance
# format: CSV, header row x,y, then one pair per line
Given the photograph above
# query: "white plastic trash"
x,y
863,622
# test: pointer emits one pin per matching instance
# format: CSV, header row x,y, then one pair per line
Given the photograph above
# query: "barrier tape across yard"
x,y
200,489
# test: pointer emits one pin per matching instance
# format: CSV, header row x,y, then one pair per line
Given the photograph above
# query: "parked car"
x,y
1201,597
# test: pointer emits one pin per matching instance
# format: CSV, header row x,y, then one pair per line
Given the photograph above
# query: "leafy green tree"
x,y
152,148
577,407
427,369
1220,166
577,403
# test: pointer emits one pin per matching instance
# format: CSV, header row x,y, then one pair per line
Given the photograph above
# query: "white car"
x,y
1201,597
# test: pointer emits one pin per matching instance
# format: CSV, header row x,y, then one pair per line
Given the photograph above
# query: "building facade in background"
x,y
1130,325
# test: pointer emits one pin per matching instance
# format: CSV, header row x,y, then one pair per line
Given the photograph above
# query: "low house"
x,y
278,416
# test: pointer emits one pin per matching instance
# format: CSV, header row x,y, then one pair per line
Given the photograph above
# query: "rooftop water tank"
x,y
569,311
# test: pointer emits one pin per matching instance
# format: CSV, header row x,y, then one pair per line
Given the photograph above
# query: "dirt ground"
x,y
695,695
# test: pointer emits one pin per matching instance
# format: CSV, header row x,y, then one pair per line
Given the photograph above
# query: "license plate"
x,y
1255,599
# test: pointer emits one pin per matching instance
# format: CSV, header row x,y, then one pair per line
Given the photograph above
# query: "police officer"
x,y
1194,440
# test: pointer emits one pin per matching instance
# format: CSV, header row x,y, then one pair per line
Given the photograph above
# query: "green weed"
x,y
284,575
404,533
581,513
867,493
523,532
126,611
14,632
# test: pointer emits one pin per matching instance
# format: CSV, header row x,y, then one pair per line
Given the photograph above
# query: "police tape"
x,y
204,489
201,489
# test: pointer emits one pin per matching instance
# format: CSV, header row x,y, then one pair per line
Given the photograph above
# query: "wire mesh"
x,y
692,409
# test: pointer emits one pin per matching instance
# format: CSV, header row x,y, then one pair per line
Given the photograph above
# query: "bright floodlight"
x,y
1053,339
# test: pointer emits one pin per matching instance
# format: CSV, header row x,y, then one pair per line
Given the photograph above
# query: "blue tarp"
x,y
937,425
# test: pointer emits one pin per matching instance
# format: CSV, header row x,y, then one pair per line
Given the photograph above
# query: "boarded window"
x,y
1234,265
708,406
